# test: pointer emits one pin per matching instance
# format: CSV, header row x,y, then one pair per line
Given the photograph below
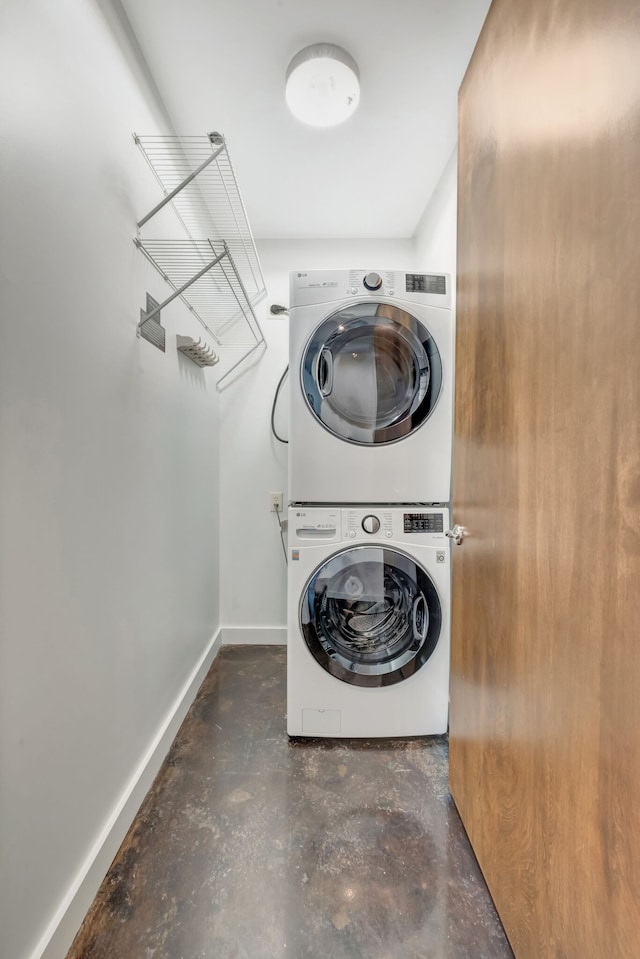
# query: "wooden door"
x,y
545,698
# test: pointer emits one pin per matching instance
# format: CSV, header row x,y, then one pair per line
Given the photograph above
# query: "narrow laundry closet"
x,y
319,444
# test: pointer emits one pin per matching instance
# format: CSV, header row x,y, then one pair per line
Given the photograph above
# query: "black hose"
x,y
273,408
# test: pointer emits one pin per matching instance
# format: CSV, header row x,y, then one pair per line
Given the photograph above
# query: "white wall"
x,y
435,236
109,503
253,572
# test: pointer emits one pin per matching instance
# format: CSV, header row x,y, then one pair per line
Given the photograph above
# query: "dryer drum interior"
x,y
371,616
371,374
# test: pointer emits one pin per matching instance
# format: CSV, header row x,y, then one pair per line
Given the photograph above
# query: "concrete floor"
x,y
249,846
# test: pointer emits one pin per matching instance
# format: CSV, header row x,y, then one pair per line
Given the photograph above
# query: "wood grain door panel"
x,y
545,698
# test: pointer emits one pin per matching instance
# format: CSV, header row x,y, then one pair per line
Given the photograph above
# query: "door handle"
x,y
420,634
325,371
457,534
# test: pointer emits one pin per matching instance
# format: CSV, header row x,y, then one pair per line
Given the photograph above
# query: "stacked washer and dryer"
x,y
371,417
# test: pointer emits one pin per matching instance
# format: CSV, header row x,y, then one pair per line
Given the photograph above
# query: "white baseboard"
x,y
60,932
254,636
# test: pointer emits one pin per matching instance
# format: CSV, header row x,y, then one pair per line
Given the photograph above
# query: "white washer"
x,y
371,402
368,621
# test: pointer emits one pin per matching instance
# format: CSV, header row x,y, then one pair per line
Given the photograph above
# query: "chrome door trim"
x,y
317,388
419,644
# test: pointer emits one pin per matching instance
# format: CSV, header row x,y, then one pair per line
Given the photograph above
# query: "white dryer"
x,y
368,621
371,401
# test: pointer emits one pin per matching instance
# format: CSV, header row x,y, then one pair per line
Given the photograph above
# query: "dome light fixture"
x,y
323,85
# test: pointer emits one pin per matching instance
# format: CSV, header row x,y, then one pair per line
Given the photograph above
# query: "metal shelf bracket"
x,y
149,327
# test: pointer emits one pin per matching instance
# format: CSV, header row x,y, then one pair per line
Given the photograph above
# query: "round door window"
x,y
371,616
371,374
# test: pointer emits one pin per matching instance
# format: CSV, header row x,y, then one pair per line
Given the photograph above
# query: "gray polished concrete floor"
x,y
249,846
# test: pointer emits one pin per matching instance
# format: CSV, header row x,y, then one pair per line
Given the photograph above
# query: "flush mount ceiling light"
x,y
323,85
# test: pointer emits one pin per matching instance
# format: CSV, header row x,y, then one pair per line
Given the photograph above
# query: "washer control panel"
x,y
360,524
423,523
309,523
371,524
395,523
373,281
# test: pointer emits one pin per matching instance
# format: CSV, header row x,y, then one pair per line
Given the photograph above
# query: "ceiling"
x,y
220,65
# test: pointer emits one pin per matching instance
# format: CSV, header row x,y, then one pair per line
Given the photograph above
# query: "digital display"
x,y
425,283
423,523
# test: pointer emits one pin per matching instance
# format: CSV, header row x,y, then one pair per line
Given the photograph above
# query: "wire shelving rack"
x,y
214,267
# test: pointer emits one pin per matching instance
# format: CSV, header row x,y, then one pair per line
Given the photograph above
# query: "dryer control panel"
x,y
324,286
360,282
425,283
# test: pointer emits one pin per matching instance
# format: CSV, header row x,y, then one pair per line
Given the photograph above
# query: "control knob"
x,y
373,281
371,524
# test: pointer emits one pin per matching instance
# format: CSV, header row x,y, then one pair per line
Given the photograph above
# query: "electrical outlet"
x,y
275,502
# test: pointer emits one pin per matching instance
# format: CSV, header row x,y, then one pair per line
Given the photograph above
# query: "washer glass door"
x,y
371,616
371,374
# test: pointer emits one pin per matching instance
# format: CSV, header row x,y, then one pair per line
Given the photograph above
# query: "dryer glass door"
x,y
371,616
371,374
